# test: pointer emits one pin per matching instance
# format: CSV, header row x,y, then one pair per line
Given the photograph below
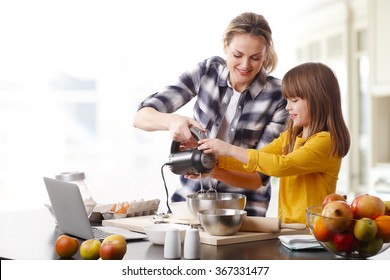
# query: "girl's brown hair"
x,y
317,84
257,26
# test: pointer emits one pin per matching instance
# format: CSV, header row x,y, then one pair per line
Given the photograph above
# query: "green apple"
x,y
365,229
89,249
387,207
331,246
372,247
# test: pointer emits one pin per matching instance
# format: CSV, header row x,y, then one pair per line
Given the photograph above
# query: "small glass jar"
x,y
78,178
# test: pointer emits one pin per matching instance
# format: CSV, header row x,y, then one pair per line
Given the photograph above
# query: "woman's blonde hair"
x,y
257,26
317,84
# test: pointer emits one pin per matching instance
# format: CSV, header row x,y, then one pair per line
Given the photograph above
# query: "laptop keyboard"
x,y
100,234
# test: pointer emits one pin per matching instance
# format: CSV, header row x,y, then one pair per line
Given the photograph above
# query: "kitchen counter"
x,y
31,235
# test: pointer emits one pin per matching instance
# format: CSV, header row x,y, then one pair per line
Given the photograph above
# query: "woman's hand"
x,y
149,119
179,128
197,176
251,181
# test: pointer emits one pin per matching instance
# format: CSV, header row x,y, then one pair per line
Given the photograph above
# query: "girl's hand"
x,y
221,148
214,146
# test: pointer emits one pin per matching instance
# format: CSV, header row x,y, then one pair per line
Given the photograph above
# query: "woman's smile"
x,y
243,72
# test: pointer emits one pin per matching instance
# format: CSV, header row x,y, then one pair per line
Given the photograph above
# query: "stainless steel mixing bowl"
x,y
221,221
213,200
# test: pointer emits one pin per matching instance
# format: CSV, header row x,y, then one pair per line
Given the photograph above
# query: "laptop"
x,y
71,216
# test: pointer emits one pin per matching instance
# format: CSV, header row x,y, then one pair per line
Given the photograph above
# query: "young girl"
x,y
307,156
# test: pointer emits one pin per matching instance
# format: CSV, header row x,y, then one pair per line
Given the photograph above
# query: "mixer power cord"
x,y
165,185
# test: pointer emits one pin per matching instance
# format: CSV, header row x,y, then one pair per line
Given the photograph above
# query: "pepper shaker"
x,y
192,244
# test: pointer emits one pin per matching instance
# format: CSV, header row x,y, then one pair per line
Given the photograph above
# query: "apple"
x,y
333,197
337,216
344,242
365,229
66,246
113,247
367,206
330,246
372,247
89,249
387,207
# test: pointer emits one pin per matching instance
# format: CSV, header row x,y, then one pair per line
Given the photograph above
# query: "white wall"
x,y
131,49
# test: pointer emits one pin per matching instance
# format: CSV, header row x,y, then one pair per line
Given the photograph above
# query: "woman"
x,y
307,156
236,101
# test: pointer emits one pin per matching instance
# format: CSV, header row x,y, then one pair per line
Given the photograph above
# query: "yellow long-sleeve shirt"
x,y
307,174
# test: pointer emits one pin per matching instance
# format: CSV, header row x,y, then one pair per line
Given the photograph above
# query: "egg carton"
x,y
134,208
143,208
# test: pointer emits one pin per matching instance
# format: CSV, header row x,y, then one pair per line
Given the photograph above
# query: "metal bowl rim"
x,y
224,212
195,196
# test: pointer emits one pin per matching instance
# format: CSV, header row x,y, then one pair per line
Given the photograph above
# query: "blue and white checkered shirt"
x,y
260,117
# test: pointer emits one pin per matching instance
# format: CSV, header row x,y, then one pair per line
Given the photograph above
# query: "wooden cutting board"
x,y
138,223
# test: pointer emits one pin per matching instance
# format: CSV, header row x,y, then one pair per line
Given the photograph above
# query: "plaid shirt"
x,y
260,117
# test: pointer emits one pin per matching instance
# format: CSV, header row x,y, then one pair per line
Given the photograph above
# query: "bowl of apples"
x,y
358,230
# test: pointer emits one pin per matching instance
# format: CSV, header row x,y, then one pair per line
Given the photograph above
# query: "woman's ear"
x,y
225,47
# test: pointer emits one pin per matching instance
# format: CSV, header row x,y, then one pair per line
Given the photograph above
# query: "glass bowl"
x,y
359,239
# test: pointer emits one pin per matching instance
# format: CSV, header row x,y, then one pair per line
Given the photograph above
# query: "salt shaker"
x,y
172,244
192,244
78,178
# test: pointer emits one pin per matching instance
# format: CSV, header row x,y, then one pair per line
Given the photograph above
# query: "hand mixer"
x,y
190,161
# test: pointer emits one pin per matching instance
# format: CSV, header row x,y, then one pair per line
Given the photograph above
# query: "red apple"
x,y
89,249
344,242
365,229
66,246
337,216
113,247
367,206
333,197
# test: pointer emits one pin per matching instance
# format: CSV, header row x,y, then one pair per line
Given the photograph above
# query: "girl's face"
x,y
299,113
244,56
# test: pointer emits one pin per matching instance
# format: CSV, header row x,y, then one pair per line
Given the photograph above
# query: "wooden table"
x,y
31,235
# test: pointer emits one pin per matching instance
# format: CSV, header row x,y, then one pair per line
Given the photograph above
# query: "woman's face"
x,y
245,56
299,112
